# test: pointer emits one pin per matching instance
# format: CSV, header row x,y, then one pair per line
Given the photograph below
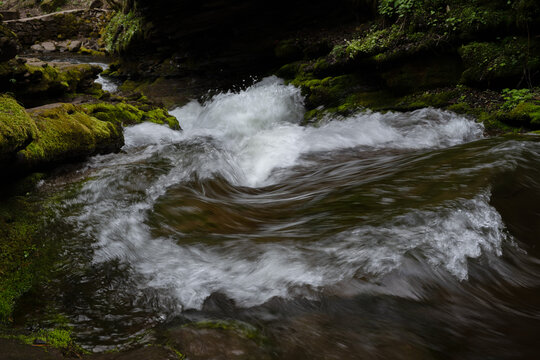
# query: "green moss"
x,y
17,129
375,42
86,51
127,114
67,133
526,114
60,338
243,329
121,30
328,92
499,63
39,79
439,99
23,258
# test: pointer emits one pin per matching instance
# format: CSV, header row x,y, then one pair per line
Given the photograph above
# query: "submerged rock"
x,y
217,340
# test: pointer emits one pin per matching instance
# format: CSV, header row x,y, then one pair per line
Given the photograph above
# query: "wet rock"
x,y
316,336
12,350
39,342
218,303
62,46
215,343
145,353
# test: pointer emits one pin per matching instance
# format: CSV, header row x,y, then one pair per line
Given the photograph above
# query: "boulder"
x,y
65,133
74,45
216,340
62,46
37,48
48,46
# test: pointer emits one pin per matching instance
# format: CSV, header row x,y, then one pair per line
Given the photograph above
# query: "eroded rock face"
x,y
68,24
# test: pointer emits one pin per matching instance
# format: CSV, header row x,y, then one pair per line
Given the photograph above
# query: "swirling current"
x,y
397,235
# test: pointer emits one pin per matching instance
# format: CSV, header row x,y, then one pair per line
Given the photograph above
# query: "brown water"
x,y
399,236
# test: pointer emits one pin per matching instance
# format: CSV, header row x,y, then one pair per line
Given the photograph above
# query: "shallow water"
x,y
378,235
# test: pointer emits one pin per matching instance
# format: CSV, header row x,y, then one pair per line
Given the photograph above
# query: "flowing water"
x,y
397,235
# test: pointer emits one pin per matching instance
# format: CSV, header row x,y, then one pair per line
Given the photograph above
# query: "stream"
x,y
397,235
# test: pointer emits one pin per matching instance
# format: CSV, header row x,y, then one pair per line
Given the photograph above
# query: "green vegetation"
x,y
121,30
243,329
17,129
22,255
499,63
127,114
38,79
59,338
66,133
514,97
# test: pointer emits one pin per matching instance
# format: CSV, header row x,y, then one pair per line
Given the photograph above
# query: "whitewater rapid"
x,y
253,141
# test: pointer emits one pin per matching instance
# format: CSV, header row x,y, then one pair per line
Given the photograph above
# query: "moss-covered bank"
x,y
23,256
59,133
431,53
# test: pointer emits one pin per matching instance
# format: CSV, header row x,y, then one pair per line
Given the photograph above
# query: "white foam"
x,y
252,273
258,128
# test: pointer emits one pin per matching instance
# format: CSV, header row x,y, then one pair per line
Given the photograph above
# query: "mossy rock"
x,y
66,133
23,259
17,129
37,79
219,339
500,64
525,114
328,92
127,114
